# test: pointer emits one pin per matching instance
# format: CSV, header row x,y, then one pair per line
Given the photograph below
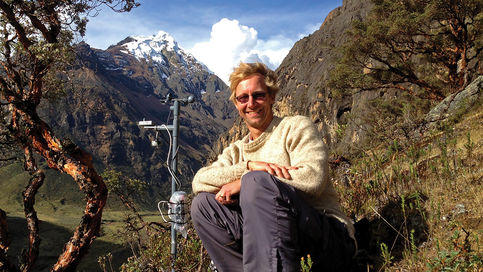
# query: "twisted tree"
x,y
35,44
426,48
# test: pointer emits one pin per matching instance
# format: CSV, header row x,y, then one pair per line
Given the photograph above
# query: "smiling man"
x,y
268,200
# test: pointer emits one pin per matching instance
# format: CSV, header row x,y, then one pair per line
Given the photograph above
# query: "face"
x,y
254,104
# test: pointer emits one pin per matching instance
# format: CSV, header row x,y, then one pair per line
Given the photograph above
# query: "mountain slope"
x,y
304,73
109,91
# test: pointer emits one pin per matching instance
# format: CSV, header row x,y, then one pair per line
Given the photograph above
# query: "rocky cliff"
x,y
304,73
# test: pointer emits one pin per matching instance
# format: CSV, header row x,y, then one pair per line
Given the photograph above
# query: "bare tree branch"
x,y
36,180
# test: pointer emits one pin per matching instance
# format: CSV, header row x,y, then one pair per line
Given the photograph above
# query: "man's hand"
x,y
271,168
227,192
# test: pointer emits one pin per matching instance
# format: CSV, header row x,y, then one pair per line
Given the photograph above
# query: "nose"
x,y
251,102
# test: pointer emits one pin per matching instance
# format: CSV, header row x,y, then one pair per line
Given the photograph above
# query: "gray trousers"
x,y
269,229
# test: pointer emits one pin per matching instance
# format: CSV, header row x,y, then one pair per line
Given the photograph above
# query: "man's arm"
x,y
227,168
227,192
309,153
274,169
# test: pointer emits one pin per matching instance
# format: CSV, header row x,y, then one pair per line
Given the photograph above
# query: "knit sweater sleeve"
x,y
227,168
308,152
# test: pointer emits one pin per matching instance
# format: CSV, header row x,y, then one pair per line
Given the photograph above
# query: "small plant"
x,y
386,255
306,266
469,145
414,248
461,257
340,131
105,262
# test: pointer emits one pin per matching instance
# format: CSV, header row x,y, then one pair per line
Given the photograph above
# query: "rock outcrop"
x,y
451,104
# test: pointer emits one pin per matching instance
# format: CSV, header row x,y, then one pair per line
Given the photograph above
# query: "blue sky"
x,y
218,33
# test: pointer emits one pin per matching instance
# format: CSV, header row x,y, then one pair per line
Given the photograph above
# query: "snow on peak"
x,y
152,46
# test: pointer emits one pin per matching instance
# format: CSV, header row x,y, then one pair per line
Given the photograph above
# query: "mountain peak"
x,y
151,46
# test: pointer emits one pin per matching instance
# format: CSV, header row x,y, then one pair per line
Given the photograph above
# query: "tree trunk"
x,y
31,131
36,180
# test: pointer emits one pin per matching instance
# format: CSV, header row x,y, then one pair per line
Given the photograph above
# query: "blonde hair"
x,y
245,70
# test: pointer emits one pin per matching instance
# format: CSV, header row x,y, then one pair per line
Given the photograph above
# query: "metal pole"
x,y
174,168
173,159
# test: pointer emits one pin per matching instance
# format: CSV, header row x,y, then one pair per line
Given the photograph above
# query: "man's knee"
x,y
199,205
257,183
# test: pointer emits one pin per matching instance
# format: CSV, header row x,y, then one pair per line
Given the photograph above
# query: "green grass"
x,y
56,227
60,206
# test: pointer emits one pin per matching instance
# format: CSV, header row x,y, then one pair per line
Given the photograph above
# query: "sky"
x,y
219,33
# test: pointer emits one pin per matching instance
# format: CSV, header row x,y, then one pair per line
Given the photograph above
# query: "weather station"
x,y
176,213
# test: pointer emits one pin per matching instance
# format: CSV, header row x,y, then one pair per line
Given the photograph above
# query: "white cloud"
x,y
309,29
231,42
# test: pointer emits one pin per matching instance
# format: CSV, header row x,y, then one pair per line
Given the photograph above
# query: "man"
x,y
268,201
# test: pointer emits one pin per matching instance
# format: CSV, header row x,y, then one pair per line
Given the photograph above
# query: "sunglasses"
x,y
259,97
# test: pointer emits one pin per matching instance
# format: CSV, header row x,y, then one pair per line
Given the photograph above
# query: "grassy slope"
x,y
426,208
455,201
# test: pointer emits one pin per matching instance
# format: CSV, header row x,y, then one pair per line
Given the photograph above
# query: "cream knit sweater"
x,y
291,141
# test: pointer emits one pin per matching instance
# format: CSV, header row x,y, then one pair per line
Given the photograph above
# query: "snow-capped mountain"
x,y
115,88
156,47
152,46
